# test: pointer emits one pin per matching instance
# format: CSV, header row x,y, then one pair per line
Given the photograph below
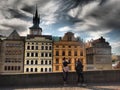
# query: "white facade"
x,y
38,55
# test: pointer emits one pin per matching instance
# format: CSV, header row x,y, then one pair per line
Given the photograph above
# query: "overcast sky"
x,y
89,19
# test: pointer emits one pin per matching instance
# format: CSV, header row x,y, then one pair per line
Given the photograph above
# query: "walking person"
x,y
65,70
79,71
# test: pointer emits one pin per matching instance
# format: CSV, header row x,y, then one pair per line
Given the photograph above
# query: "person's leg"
x,y
82,77
78,77
66,76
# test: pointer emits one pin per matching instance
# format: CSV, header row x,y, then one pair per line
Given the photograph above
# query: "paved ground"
x,y
100,86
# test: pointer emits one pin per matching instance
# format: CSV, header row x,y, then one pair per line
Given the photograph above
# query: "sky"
x,y
88,19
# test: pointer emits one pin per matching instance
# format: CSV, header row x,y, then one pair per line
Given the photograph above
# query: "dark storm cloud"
x,y
107,16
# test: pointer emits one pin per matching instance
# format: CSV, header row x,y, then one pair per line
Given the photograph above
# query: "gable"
x,y
14,35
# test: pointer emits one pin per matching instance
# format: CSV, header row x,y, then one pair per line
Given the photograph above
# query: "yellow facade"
x,y
70,48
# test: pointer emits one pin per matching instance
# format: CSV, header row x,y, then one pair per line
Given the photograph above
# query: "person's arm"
x,y
69,61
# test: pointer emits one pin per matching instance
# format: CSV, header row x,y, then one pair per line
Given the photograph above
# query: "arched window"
x,y
31,70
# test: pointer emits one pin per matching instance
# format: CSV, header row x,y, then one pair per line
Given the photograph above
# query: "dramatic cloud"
x,y
89,19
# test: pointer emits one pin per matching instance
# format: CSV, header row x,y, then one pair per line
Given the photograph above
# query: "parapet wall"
x,y
46,79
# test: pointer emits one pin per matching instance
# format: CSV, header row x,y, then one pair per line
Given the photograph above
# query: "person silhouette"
x,y
65,70
79,71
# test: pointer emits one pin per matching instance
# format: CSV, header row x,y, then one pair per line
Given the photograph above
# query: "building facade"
x,y
69,47
38,49
98,55
12,54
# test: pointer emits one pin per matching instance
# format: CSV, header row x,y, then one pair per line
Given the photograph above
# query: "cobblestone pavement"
x,y
106,86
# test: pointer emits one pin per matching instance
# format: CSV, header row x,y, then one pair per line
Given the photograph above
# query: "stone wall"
x,y
47,79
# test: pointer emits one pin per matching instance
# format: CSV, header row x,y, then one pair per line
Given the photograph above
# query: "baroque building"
x,y
38,49
12,53
69,47
98,55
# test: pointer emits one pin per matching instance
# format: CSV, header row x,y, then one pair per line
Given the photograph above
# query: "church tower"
x,y
35,29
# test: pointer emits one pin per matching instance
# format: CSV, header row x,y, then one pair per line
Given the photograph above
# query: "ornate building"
x,y
98,55
38,49
12,53
69,47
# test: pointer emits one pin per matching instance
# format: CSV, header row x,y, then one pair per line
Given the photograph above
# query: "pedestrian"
x,y
79,71
65,70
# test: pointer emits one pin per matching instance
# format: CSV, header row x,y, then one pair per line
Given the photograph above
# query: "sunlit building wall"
x,y
69,47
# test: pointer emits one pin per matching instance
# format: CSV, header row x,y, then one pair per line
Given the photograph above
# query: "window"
x,y
35,69
36,54
75,53
63,53
42,54
45,61
28,54
15,67
5,68
50,62
81,53
31,61
36,47
31,70
69,53
41,69
57,61
12,68
28,47
36,62
18,67
50,54
57,53
8,67
27,69
42,48
32,48
32,54
46,47
50,47
57,46
50,69
42,62
46,54
45,69
27,62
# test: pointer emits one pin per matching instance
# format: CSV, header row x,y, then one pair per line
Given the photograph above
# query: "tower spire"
x,y
36,13
36,22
